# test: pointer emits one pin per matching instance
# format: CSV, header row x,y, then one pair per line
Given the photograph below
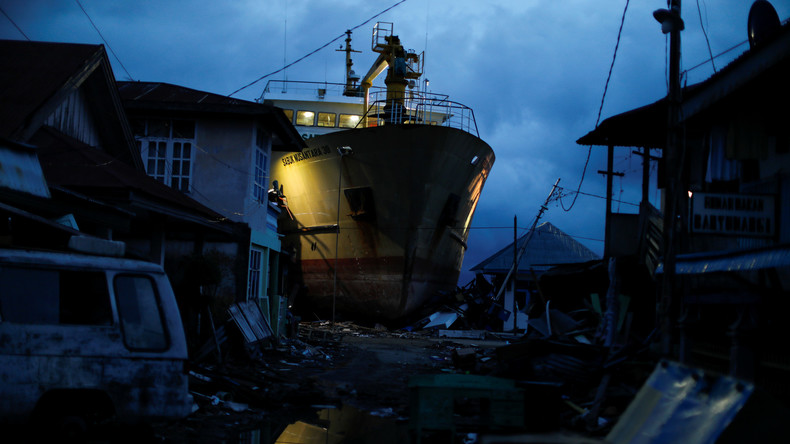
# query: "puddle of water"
x,y
345,425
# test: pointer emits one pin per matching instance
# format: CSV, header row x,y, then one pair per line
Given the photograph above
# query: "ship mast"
x,y
404,67
352,78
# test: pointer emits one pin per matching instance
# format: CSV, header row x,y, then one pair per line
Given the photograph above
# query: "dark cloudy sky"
x,y
533,71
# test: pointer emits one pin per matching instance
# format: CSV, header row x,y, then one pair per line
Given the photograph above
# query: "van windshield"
x,y
138,310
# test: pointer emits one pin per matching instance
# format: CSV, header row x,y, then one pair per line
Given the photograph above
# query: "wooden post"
x,y
515,267
609,192
646,176
672,200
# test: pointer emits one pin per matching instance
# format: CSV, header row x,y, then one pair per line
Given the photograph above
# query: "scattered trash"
x,y
466,334
557,363
383,412
445,319
465,358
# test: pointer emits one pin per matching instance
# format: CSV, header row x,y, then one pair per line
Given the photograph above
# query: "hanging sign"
x,y
736,214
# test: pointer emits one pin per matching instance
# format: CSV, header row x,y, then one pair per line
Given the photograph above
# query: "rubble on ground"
x,y
561,367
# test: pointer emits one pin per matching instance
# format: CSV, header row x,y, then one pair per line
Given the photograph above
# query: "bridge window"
x,y
326,119
349,120
305,118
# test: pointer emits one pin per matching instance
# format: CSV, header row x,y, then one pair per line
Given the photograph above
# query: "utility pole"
x,y
523,247
646,158
671,23
609,192
515,266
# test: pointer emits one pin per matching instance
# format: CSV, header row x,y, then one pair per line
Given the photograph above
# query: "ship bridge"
x,y
324,107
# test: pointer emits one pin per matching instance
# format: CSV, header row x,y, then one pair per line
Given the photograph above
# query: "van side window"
x,y
138,310
38,296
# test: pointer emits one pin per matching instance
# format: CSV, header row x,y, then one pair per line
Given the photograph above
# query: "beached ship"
x,y
380,203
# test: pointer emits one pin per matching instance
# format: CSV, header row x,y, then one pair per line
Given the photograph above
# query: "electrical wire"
x,y
705,33
193,189
732,48
569,192
14,23
525,230
600,108
343,35
104,40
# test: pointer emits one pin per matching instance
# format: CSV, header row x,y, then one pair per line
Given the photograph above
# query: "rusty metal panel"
x,y
731,261
681,404
20,170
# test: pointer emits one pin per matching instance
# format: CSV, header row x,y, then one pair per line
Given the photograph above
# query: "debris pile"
x,y
579,368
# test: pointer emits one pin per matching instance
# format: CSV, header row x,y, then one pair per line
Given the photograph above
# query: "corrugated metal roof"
x,y
145,97
159,92
731,261
549,246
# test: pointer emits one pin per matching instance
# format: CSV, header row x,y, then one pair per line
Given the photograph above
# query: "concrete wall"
x,y
222,172
223,175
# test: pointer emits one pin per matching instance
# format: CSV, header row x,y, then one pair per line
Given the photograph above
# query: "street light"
x,y
670,19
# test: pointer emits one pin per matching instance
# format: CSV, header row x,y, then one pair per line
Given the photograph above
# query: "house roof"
x,y
36,77
755,78
26,85
141,97
73,165
549,246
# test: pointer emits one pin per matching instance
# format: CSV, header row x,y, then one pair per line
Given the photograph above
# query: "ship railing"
x,y
419,108
313,90
317,90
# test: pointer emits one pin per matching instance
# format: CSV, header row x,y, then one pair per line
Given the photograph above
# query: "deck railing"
x,y
313,90
416,108
420,108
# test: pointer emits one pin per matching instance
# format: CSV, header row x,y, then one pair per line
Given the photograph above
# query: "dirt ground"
x,y
346,367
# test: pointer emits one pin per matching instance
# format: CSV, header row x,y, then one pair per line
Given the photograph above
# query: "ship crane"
x,y
404,68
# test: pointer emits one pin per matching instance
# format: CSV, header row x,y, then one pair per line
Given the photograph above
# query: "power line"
x,y
526,229
705,33
14,23
104,40
732,48
591,195
600,108
313,52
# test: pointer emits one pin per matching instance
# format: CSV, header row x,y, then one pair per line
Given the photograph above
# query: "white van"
x,y
85,338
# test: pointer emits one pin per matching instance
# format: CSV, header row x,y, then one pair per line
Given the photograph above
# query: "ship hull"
x,y
406,196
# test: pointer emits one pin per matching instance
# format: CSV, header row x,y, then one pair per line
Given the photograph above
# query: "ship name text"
x,y
305,154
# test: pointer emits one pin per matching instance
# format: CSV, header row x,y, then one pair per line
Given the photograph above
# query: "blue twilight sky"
x,y
533,71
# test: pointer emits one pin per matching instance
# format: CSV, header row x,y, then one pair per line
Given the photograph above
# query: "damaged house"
x,y
538,252
217,151
729,283
61,104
